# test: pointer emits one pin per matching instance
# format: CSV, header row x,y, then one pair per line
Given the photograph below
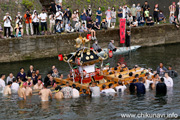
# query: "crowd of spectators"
x,y
64,20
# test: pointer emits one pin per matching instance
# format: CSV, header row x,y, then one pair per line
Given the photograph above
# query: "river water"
x,y
97,108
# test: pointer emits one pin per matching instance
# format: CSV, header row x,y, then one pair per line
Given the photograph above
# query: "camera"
x,y
27,15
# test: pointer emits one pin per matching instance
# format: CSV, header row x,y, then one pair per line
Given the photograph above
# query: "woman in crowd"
x,y
74,18
35,22
99,15
52,23
84,17
155,14
19,28
113,18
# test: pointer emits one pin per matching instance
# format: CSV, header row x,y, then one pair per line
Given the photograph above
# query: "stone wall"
x,y
36,47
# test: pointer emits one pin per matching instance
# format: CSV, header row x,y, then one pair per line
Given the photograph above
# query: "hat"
x,y
108,64
29,78
74,67
96,67
7,13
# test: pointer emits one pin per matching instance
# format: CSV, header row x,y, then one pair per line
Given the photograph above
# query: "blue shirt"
x,y
140,88
99,12
19,75
83,17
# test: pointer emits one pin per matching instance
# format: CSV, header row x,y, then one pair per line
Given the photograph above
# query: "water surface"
x,y
96,108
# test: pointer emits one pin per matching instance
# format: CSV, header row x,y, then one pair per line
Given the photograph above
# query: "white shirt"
x,y
14,87
110,90
168,81
18,18
7,23
120,87
75,93
43,17
2,85
135,23
59,15
36,19
147,84
95,91
9,79
52,20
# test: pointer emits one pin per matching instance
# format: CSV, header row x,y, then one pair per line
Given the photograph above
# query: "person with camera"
x,y
67,15
28,22
52,22
35,22
19,28
43,18
59,16
18,17
7,25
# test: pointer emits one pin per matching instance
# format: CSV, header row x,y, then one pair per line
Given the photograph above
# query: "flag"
x,y
122,30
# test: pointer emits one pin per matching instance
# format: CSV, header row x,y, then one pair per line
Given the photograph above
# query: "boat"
x,y
120,50
85,72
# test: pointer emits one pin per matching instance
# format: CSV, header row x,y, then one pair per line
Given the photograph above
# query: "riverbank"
x,y
35,47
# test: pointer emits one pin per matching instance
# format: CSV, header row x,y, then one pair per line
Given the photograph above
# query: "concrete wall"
x,y
36,47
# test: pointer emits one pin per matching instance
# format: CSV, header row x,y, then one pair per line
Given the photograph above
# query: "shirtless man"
x,y
38,86
58,95
45,93
22,92
28,90
7,89
29,81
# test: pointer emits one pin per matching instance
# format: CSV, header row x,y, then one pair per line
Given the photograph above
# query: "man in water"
x,y
120,87
45,93
111,46
28,90
2,83
7,89
132,87
140,87
168,80
172,73
67,91
96,47
14,86
38,86
75,92
58,95
10,77
110,90
22,91
161,88
95,90
161,69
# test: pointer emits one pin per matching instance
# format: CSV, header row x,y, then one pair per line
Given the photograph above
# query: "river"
x,y
97,108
